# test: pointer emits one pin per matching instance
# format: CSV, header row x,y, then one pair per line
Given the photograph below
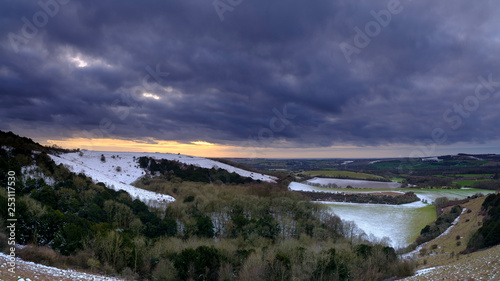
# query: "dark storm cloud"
x,y
227,79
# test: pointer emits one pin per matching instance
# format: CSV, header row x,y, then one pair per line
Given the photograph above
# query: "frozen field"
x,y
452,194
400,223
343,183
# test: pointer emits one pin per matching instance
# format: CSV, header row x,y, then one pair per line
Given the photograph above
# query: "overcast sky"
x,y
323,78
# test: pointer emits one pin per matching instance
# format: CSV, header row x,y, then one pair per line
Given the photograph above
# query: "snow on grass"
x,y
343,183
26,270
432,159
295,186
481,265
132,171
424,271
400,223
430,195
91,165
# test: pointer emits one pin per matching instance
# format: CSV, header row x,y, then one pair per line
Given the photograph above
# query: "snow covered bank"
x,y
26,270
413,254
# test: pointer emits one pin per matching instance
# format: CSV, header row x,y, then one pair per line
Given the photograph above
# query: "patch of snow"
x,y
432,159
373,162
8,149
34,172
424,271
452,224
474,158
346,162
38,269
295,186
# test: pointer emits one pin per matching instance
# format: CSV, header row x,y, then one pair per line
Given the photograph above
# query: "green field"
x,y
343,174
465,176
400,180
468,182
473,175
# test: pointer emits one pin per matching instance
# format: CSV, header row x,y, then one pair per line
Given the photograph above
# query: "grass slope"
x,y
445,263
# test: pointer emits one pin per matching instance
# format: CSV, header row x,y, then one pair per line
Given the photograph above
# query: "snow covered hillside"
x,y
26,270
120,169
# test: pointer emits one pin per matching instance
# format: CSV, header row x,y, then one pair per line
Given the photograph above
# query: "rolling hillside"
x,y
120,170
440,259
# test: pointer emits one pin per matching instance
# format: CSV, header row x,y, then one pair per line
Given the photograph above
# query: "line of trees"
x,y
171,169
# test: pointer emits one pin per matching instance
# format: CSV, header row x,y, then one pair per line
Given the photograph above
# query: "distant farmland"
x,y
344,183
344,175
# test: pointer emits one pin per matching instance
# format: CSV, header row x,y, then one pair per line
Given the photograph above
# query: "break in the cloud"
x,y
271,74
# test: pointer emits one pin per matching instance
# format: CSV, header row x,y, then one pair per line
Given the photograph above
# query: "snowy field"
x,y
295,186
400,223
452,194
343,183
32,271
106,173
121,169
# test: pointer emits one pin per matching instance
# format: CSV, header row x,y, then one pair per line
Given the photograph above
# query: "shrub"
x,y
43,255
93,264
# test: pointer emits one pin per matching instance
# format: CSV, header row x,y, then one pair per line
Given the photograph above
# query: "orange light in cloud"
x,y
202,143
